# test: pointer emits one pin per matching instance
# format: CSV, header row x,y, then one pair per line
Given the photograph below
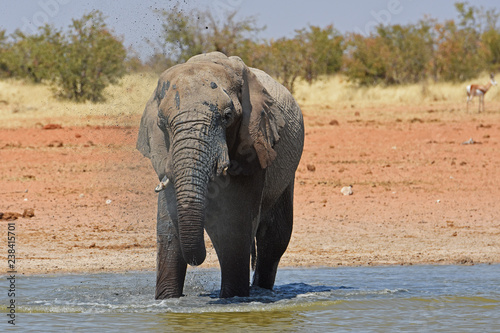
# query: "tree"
x,y
366,59
476,40
322,51
285,61
491,40
395,54
33,56
186,34
310,53
490,37
3,38
460,55
410,49
91,58
3,53
182,36
228,35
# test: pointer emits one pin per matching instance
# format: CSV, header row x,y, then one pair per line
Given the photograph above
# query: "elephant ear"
x,y
151,140
143,138
262,119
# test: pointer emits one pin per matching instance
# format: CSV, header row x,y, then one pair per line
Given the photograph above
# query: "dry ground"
x,y
420,195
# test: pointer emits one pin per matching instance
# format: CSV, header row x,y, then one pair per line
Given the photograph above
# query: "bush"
x,y
366,60
285,61
198,31
90,59
322,51
394,55
31,56
460,54
3,52
491,40
79,64
311,53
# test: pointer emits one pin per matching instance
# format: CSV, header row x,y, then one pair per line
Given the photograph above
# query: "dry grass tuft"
x,y
24,104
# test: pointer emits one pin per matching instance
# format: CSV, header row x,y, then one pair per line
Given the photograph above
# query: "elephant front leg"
x,y
170,266
231,237
234,261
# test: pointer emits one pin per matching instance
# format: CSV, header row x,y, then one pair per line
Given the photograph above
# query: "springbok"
x,y
480,91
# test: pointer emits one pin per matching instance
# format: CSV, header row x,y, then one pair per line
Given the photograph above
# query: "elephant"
x,y
225,141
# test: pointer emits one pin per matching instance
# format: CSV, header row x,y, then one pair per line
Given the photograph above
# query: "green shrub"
x,y
78,64
90,59
33,57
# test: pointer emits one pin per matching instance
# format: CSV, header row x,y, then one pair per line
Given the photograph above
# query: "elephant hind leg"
x,y
273,236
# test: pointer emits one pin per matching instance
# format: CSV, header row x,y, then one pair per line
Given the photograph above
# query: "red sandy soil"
x,y
420,195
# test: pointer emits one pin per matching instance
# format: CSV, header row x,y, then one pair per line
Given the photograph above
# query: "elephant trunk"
x,y
199,154
192,175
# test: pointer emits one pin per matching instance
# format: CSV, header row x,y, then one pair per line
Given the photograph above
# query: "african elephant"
x,y
225,141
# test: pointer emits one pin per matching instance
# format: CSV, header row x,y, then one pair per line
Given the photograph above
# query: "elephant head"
x,y
206,115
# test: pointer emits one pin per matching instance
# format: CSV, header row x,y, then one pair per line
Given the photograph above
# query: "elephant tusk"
x,y
162,185
224,171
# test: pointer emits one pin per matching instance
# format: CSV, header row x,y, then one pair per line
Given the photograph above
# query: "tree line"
x,y
80,62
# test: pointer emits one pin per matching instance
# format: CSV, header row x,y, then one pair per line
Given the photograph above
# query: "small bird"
x,y
346,190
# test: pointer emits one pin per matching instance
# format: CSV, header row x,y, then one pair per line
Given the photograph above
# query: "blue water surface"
x,y
361,299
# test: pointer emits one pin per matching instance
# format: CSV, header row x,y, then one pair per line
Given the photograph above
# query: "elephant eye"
x,y
227,114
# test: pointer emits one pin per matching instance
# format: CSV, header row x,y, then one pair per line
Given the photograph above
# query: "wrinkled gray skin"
x,y
229,139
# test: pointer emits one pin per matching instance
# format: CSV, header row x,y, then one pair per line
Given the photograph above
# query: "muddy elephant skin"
x,y
225,141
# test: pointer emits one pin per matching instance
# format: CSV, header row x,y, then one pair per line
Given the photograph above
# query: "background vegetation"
x,y
80,62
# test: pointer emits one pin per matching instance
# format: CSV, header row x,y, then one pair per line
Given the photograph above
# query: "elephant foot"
x,y
265,275
165,294
227,292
